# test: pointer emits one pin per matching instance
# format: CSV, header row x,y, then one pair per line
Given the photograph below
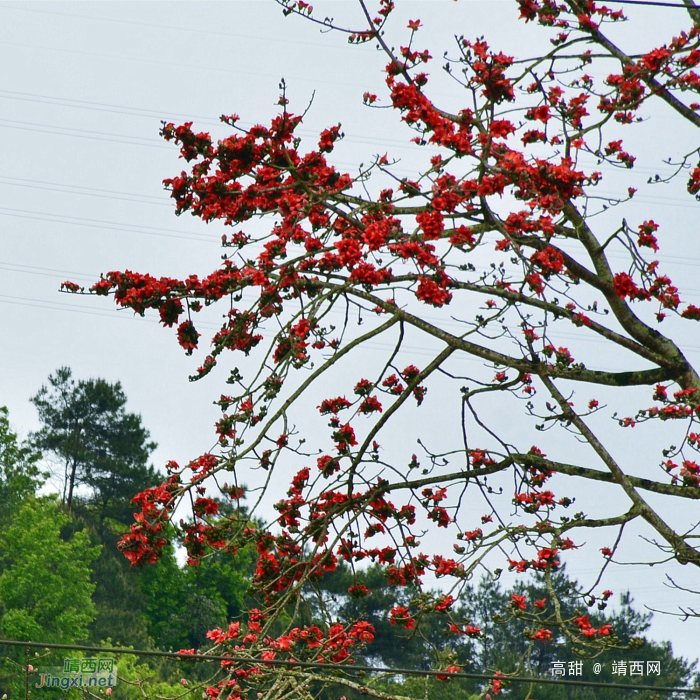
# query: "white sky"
x,y
84,87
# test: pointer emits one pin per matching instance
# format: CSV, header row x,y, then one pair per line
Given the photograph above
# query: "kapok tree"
x,y
496,251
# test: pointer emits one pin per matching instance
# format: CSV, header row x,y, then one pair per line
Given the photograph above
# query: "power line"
x,y
116,313
111,225
58,306
208,120
152,199
188,30
101,106
123,138
156,143
653,3
83,134
360,668
371,345
85,191
200,68
159,114
170,233
151,114
48,272
74,308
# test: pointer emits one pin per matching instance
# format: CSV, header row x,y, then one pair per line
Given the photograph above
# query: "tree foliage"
x,y
99,445
501,251
503,639
19,471
45,586
185,603
102,453
120,602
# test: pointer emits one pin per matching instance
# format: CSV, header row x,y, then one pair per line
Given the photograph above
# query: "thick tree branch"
x,y
684,553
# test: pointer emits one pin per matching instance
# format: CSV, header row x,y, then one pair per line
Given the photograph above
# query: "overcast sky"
x,y
84,88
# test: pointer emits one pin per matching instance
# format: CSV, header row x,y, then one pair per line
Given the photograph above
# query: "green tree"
x,y
103,450
507,644
120,602
394,645
99,444
504,642
184,603
19,472
150,680
163,586
45,586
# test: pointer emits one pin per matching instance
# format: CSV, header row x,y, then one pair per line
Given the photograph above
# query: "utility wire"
x,y
688,261
86,191
111,225
653,3
152,199
74,308
170,65
365,669
372,345
84,134
187,29
128,110
103,106
159,115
